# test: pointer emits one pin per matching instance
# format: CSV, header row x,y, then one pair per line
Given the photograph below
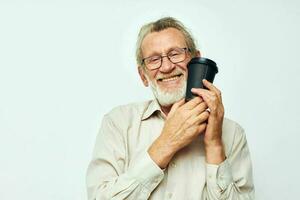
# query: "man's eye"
x,y
154,59
172,54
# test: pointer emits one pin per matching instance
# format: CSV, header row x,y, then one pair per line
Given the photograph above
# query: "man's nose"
x,y
166,64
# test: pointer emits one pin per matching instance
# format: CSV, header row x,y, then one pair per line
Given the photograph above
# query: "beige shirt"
x,y
121,168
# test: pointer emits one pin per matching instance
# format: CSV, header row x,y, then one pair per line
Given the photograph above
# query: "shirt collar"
x,y
152,107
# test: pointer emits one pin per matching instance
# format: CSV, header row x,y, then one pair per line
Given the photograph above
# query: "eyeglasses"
x,y
176,55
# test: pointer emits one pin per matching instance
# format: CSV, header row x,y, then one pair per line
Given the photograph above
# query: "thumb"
x,y
176,106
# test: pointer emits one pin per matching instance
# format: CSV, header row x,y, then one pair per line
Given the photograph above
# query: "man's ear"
x,y
143,76
198,54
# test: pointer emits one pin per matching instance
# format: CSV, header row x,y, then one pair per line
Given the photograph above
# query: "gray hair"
x,y
159,25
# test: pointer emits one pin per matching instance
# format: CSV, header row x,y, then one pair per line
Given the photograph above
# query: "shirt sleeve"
x,y
108,176
232,179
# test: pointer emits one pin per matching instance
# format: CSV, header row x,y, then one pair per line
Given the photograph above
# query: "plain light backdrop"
x,y
64,64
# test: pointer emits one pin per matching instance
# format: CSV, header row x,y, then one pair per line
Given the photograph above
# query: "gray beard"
x,y
167,98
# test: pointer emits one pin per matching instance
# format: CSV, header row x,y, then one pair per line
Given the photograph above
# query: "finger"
x,y
193,103
200,91
199,119
211,87
202,127
210,98
176,106
199,109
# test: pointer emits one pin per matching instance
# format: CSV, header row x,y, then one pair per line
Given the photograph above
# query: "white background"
x,y
63,64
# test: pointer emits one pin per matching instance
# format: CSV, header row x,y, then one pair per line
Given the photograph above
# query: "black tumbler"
x,y
198,69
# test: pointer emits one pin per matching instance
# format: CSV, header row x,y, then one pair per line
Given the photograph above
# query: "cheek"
x,y
152,74
183,67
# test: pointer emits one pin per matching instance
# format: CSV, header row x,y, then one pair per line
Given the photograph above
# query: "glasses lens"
x,y
153,62
177,55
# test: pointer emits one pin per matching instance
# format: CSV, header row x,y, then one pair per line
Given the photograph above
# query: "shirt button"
x,y
173,164
170,195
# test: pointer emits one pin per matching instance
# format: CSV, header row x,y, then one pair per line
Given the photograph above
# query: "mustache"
x,y
176,72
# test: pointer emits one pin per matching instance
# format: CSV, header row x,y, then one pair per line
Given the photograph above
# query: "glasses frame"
x,y
168,56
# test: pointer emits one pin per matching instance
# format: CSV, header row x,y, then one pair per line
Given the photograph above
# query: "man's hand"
x,y
213,133
184,123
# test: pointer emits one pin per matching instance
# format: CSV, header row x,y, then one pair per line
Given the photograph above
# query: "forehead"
x,y
162,41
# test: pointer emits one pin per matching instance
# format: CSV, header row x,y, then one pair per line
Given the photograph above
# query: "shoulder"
x,y
128,109
230,126
232,133
123,115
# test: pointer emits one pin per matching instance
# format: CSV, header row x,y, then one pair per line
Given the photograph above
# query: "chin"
x,y
168,96
169,90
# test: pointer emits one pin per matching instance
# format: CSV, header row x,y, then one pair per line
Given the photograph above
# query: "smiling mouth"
x,y
170,78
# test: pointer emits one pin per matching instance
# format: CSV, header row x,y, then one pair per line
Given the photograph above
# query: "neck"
x,y
166,109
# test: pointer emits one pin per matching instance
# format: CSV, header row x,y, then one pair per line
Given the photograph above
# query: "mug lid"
x,y
205,61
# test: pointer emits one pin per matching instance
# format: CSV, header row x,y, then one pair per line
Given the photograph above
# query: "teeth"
x,y
170,79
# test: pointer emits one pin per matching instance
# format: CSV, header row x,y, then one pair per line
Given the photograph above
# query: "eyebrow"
x,y
158,54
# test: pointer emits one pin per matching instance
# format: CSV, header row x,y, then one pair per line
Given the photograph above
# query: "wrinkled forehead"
x,y
162,42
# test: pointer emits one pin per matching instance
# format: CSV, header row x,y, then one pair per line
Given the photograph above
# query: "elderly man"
x,y
167,148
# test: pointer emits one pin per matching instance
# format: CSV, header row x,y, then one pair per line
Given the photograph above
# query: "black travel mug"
x,y
199,68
